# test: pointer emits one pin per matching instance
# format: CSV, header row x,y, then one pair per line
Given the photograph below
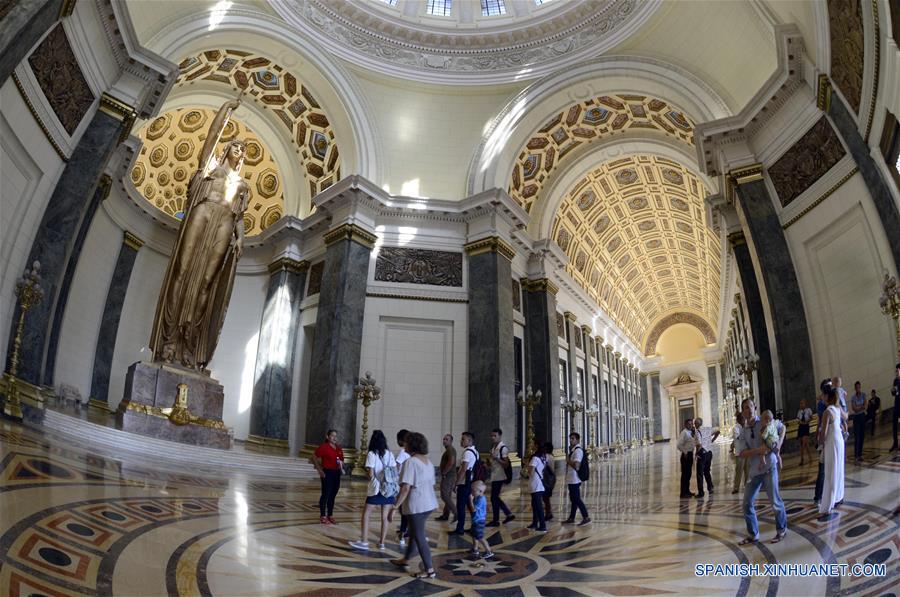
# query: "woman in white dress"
x,y
833,455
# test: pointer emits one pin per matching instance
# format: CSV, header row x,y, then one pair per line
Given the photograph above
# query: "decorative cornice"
x,y
570,316
119,110
824,196
491,244
540,285
747,174
67,8
736,238
350,232
131,241
876,56
37,118
409,297
289,265
823,93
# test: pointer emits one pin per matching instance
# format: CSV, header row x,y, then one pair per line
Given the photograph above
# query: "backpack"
x,y
507,468
479,471
584,468
390,482
549,476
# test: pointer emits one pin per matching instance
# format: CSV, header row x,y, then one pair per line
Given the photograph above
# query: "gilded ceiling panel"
x,y
644,239
588,121
170,155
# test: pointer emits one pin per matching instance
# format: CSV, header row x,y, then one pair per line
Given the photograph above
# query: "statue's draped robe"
x,y
177,325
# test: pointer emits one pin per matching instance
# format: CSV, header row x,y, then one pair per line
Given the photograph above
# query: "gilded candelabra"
x,y
29,292
619,416
367,393
890,305
592,413
746,366
529,400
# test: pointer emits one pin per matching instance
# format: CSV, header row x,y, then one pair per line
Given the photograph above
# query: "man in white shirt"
x,y
685,445
703,441
740,464
402,456
573,462
499,462
464,480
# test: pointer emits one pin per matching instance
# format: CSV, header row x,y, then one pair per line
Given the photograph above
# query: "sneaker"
x,y
569,521
509,519
584,521
381,547
361,545
402,542
443,517
541,530
324,520
493,523
531,527
331,520
488,555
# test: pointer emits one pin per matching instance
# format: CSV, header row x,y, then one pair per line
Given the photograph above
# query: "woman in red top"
x,y
329,461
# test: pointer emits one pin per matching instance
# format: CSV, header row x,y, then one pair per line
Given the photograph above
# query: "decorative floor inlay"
x,y
76,522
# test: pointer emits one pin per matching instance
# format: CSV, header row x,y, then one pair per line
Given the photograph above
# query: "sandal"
x,y
399,562
748,541
779,536
425,574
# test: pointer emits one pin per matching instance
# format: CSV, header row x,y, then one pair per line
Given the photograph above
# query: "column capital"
x,y
288,264
570,316
736,239
119,110
823,92
599,340
746,174
609,347
351,232
586,329
540,285
132,241
491,244
617,354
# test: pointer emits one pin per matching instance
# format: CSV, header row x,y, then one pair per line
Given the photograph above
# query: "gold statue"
x,y
197,286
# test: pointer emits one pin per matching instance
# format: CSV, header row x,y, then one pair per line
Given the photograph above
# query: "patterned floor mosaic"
x,y
81,523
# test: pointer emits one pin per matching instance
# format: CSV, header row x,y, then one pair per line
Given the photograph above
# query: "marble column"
x,y
57,232
656,401
109,324
23,25
645,405
65,286
611,393
270,408
758,331
626,394
334,365
572,330
492,376
872,176
586,341
601,426
541,354
713,377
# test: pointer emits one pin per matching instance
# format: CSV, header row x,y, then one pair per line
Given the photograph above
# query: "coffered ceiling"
x,y
636,235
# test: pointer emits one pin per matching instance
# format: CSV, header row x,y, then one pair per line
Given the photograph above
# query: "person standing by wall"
x,y
858,404
464,480
874,409
499,463
703,441
895,416
448,478
573,463
804,417
763,473
329,462
685,446
418,502
740,464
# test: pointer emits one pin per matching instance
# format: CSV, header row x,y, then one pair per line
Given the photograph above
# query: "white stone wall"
x,y
668,375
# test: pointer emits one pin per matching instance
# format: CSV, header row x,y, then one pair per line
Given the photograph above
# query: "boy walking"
x,y
479,517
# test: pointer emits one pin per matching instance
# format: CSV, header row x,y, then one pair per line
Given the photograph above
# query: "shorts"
x,y
478,529
802,430
380,500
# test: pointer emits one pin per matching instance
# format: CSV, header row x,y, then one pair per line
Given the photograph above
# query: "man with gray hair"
x,y
703,441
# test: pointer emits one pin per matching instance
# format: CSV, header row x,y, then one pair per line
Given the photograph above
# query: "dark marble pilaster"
x,y
713,377
765,377
22,27
656,401
645,405
878,187
271,406
112,312
572,368
541,355
57,232
491,383
66,285
781,291
334,368
601,416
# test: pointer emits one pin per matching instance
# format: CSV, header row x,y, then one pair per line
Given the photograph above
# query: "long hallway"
x,y
81,522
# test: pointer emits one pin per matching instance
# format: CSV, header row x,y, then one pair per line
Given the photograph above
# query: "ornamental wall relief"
x,y
418,266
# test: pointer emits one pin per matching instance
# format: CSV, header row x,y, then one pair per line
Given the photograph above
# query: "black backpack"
x,y
584,467
479,471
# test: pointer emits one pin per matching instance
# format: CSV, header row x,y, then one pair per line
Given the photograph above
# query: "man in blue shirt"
x,y
858,403
763,470
895,416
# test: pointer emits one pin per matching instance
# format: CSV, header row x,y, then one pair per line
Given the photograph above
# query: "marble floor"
x,y
78,522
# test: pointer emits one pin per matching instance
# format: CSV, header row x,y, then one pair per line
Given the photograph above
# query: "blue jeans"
x,y
769,480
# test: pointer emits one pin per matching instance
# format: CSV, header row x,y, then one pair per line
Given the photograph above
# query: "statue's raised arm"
x,y
215,133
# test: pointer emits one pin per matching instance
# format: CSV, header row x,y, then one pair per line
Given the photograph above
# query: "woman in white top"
x,y
536,469
804,416
418,501
832,438
377,459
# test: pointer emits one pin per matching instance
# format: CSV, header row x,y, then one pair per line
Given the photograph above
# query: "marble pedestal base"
x,y
151,390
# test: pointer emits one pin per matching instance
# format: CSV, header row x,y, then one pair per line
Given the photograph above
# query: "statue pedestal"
x,y
151,390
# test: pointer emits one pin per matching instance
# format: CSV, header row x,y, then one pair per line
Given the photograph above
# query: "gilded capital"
x,y
736,239
491,244
540,285
823,92
586,329
290,265
132,241
570,316
350,232
119,110
746,174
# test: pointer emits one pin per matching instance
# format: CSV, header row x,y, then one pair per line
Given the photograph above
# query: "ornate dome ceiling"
x,y
170,154
473,44
637,239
